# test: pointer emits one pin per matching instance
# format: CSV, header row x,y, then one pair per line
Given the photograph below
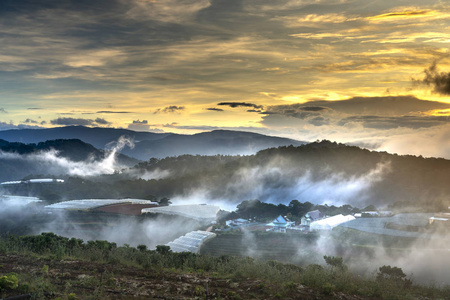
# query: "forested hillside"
x,y
320,172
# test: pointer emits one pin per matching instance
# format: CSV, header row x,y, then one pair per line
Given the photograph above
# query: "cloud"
x,y
143,125
440,81
402,14
102,121
139,122
34,108
214,109
379,122
176,125
2,110
429,142
240,104
78,121
31,121
11,125
380,106
169,109
170,11
113,112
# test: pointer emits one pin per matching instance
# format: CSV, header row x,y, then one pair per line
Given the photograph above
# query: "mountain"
x,y
222,142
159,145
97,136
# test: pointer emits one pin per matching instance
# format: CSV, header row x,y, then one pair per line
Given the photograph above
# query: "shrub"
x,y
9,282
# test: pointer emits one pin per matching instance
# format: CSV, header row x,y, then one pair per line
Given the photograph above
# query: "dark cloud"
x,y
380,122
10,125
31,121
214,109
313,108
102,121
291,111
240,104
440,81
384,106
169,109
319,121
143,122
113,112
79,121
2,110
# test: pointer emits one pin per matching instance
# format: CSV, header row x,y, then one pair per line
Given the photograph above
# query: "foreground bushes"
x,y
282,279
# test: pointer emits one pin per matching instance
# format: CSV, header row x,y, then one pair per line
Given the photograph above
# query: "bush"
x,y
9,282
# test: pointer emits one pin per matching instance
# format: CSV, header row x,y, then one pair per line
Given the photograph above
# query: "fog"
x,y
122,230
29,216
425,261
276,182
52,163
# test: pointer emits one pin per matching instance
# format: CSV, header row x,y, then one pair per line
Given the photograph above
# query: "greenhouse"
x,y
89,204
190,242
330,223
201,212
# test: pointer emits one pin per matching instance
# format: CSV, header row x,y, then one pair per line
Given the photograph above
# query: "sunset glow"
x,y
370,73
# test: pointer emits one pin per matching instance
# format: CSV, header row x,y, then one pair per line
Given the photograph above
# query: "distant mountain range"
x,y
159,145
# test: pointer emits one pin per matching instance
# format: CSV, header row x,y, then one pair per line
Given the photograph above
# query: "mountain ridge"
x,y
159,145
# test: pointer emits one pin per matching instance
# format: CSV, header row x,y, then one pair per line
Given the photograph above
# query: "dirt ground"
x,y
91,280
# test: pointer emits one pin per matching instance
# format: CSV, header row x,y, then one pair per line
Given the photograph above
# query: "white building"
x,y
330,223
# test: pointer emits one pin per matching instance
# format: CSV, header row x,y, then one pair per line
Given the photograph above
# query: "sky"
x,y
370,73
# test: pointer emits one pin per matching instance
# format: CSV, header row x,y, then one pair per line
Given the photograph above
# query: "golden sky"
x,y
374,73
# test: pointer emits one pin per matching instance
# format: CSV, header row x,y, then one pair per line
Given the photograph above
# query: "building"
x,y
280,224
330,223
310,217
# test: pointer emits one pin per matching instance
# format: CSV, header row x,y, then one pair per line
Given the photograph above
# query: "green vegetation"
x,y
270,279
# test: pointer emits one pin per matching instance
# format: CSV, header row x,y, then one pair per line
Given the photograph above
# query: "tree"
x,y
336,262
163,249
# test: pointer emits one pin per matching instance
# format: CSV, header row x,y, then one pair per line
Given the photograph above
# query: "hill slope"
x,y
320,173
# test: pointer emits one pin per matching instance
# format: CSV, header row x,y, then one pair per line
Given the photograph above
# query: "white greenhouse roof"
x,y
330,222
87,204
194,211
191,242
18,200
38,180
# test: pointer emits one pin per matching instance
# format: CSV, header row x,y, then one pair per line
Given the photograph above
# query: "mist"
x,y
277,182
121,229
52,163
425,260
